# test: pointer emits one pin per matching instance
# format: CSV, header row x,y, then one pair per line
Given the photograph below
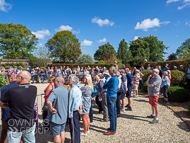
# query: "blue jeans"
x,y
28,136
32,78
118,103
42,78
111,101
91,113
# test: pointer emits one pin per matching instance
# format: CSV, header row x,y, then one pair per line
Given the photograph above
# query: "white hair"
x,y
74,79
25,75
114,69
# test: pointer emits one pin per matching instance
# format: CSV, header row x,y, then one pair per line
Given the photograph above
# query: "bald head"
x,y
59,81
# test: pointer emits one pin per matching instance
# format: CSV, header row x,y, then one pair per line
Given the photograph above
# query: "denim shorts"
x,y
56,129
85,110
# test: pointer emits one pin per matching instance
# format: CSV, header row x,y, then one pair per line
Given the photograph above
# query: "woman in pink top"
x,y
49,88
47,93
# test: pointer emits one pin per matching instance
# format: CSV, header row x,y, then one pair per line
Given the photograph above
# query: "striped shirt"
x,y
136,78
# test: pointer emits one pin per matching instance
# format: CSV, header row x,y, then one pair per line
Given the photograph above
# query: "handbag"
x,y
45,107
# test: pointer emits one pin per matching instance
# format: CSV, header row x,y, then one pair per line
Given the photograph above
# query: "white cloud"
x,y
186,4
40,45
101,22
170,1
64,27
102,40
148,23
68,28
86,43
187,23
177,23
135,38
5,6
40,34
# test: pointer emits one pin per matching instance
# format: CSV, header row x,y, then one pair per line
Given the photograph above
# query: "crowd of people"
x,y
66,100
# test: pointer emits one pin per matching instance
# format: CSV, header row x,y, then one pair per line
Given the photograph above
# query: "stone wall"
x,y
24,61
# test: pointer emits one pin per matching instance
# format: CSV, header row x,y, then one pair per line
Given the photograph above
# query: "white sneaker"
x,y
83,134
123,110
88,132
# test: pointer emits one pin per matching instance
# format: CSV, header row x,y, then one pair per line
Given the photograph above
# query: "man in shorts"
x,y
154,83
129,86
58,106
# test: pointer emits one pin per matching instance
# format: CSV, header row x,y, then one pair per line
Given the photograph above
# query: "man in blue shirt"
x,y
6,111
167,68
129,86
58,106
112,86
104,97
75,109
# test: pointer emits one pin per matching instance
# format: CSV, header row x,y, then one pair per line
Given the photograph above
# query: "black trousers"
x,y
188,81
141,82
75,127
99,103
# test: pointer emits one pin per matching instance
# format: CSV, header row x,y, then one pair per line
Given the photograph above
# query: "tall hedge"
x,y
146,74
172,63
178,77
178,94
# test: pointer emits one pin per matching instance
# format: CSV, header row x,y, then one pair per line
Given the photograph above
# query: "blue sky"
x,y
96,22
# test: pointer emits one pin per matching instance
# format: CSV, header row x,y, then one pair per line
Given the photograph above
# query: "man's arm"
x,y
4,105
49,103
108,84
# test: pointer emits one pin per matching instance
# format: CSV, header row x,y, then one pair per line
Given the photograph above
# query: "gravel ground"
x,y
133,126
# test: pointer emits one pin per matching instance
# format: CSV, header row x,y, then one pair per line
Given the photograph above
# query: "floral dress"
x,y
86,99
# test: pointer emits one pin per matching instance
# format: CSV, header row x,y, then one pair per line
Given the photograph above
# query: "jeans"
x,y
91,113
28,136
42,78
75,127
33,78
118,103
112,113
105,106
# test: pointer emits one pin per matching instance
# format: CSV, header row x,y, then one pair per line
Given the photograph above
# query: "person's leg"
x,y
91,113
76,117
85,123
118,103
153,110
29,135
123,103
4,132
57,139
115,117
14,137
88,121
157,111
42,78
104,106
111,113
166,90
62,137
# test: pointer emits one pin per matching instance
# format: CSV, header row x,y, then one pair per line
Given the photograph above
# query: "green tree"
x,y
104,49
140,51
64,45
85,59
157,48
183,52
16,41
124,53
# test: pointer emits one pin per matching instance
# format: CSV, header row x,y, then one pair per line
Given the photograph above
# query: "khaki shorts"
x,y
136,87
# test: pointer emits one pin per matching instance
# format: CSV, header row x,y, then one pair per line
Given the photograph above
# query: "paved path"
x,y
133,126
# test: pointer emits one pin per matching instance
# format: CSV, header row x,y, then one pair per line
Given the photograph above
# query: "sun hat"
x,y
122,70
106,72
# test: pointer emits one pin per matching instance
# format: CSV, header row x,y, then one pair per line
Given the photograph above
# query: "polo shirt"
x,y
59,99
21,101
5,112
156,81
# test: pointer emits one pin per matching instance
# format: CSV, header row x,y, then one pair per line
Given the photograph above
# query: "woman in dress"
x,y
87,90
